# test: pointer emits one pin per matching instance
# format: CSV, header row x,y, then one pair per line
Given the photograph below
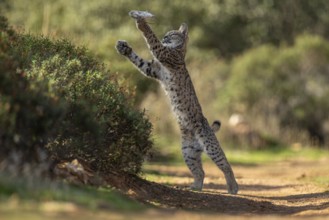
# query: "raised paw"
x,y
123,48
140,14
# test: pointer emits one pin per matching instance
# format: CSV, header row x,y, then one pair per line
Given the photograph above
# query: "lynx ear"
x,y
184,29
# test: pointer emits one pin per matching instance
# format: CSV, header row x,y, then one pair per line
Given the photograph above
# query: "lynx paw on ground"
x,y
123,48
197,185
233,188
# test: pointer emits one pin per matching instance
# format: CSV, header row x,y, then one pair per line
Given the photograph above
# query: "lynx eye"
x,y
175,37
166,39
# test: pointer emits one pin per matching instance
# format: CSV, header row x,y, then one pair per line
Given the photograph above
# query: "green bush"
x,y
288,83
57,97
28,112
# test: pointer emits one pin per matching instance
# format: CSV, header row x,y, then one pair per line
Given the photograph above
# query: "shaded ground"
x,y
290,188
280,190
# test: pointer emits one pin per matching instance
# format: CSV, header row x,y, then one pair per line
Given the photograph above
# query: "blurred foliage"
x,y
226,26
231,42
287,83
232,26
58,96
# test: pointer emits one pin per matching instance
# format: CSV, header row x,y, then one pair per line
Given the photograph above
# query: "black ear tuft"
x,y
184,29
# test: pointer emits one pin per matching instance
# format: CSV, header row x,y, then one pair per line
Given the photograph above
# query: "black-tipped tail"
x,y
216,125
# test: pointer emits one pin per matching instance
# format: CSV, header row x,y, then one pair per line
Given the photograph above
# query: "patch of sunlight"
x,y
322,181
168,180
274,155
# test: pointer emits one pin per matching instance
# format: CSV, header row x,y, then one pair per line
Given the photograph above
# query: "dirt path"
x,y
288,189
285,190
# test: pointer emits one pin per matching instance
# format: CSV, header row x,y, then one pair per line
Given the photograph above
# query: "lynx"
x,y
169,68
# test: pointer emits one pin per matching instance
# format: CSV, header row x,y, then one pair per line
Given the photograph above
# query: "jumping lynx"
x,y
168,67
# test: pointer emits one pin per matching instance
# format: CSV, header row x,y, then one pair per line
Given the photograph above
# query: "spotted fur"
x,y
169,68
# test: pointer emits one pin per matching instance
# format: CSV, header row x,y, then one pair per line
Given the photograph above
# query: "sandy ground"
x,y
283,190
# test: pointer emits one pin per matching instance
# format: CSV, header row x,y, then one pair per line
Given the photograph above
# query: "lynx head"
x,y
176,39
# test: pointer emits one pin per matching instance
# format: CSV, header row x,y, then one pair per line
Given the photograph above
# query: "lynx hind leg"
x,y
192,156
208,140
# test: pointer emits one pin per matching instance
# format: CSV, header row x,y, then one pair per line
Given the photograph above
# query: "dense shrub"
x,y
28,110
77,104
288,83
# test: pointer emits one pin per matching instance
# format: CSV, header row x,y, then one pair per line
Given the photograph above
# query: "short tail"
x,y
216,125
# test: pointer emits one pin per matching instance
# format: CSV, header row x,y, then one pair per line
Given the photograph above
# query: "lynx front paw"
x,y
140,14
123,48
